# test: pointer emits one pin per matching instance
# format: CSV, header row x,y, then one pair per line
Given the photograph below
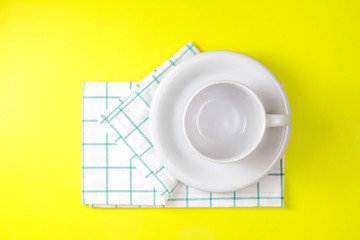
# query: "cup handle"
x,y
277,120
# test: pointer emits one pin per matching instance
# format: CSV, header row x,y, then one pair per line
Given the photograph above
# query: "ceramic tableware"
x,y
225,121
167,121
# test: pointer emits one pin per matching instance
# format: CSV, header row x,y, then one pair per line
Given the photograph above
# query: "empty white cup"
x,y
225,121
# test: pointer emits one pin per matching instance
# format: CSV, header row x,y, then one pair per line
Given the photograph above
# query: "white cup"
x,y
225,121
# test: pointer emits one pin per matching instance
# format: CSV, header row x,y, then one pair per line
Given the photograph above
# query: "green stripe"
x,y
107,170
130,101
117,113
154,197
146,151
129,148
109,167
108,116
105,119
276,174
164,71
187,196
210,199
146,103
234,198
258,193
131,190
82,146
281,182
110,191
89,120
181,55
106,94
160,170
112,126
164,193
100,97
107,152
97,144
220,198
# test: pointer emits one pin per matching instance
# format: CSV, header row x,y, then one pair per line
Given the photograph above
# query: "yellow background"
x,y
49,48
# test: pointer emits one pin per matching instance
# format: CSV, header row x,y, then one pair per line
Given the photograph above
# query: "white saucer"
x,y
166,121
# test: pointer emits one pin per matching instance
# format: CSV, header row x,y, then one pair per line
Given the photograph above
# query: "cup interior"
x,y
224,121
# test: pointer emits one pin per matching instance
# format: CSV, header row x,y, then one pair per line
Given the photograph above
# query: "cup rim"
x,y
237,157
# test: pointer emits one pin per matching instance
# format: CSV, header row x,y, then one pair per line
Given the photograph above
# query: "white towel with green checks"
x,y
127,123
119,166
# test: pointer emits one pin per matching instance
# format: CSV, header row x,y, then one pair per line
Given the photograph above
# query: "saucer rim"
x,y
153,110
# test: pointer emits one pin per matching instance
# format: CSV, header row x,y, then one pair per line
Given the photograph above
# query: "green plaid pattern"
x,y
106,168
128,120
108,175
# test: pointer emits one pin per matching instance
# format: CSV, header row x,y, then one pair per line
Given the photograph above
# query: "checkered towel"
x,y
119,167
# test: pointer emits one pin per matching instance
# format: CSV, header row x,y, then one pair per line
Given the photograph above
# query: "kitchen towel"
x,y
127,139
110,180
